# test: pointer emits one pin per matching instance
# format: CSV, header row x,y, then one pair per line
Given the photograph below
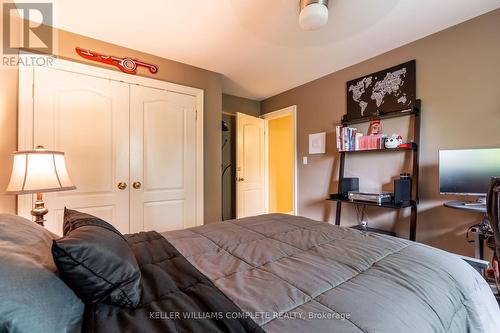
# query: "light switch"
x,y
304,160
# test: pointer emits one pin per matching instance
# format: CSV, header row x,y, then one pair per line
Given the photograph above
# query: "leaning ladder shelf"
x,y
412,204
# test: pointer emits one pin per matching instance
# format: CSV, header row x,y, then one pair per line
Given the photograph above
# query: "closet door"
x,y
88,119
162,160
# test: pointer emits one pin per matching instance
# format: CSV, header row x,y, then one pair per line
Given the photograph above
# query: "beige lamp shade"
x,y
37,171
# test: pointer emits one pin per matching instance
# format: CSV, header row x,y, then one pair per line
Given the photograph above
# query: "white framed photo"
x,y
317,143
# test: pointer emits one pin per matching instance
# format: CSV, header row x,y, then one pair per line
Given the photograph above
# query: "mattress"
x,y
293,274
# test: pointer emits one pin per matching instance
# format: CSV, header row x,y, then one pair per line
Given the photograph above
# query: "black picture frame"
x,y
389,90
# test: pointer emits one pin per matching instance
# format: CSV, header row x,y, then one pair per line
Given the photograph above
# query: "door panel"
x,y
157,213
87,118
163,160
163,163
250,166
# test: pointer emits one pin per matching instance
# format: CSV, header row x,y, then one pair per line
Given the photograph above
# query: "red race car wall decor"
x,y
126,65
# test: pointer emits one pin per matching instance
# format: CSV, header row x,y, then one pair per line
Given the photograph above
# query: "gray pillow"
x,y
33,298
96,262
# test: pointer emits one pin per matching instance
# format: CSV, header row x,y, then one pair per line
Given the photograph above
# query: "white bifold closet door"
x,y
114,132
87,118
162,160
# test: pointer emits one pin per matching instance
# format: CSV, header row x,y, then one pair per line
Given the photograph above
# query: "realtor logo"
x,y
27,26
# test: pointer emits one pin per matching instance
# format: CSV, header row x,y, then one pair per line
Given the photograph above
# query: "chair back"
x,y
493,206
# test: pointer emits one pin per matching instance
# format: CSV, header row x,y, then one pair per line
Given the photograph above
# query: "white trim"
x,y
25,114
266,164
291,110
25,129
199,158
87,69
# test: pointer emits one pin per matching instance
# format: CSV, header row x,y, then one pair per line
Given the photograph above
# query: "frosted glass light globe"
x,y
313,16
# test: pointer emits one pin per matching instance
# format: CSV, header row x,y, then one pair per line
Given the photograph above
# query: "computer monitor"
x,y
468,171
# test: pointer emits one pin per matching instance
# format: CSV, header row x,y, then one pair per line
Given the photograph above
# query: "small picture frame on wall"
x,y
317,143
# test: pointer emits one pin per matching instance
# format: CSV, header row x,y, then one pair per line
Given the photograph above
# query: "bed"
x,y
300,275
294,274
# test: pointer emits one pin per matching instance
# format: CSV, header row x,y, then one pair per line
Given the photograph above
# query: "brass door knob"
x,y
122,185
137,185
241,179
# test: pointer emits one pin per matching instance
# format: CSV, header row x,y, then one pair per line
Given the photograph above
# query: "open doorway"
x,y
230,106
266,162
228,166
281,161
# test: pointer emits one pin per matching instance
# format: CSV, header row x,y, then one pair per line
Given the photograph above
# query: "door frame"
x,y
26,88
291,110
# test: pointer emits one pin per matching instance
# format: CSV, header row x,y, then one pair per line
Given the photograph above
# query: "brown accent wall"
x,y
169,70
232,104
458,80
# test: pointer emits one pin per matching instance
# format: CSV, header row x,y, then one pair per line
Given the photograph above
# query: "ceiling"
x,y
257,44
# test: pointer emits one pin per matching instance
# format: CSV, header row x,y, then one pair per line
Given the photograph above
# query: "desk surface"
x,y
466,206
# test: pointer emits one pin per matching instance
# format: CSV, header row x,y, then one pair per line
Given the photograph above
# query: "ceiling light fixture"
x,y
313,14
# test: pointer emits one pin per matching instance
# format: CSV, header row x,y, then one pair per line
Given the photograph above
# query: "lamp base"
x,y
39,210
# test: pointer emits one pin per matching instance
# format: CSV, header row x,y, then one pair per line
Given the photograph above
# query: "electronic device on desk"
x,y
348,184
468,172
402,188
376,197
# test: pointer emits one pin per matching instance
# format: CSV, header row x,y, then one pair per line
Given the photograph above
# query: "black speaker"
x,y
349,184
402,188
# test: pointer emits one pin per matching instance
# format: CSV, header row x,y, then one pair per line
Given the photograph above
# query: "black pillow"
x,y
96,262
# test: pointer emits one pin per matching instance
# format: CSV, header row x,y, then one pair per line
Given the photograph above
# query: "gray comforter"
x,y
293,274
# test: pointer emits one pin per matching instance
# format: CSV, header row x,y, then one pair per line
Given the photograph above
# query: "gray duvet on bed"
x,y
293,274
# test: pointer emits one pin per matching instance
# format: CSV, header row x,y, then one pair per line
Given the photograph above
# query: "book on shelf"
x,y
352,139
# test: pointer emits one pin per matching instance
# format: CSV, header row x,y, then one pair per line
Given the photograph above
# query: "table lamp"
x,y
38,171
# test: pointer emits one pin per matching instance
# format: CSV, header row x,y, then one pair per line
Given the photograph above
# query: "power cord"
x,y
362,216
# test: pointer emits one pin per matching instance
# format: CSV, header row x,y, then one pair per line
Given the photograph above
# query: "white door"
x,y
250,166
87,118
162,160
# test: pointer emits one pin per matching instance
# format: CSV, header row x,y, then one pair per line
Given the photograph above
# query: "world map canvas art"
x,y
390,90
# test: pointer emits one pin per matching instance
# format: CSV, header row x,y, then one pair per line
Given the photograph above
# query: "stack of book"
x,y
350,139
